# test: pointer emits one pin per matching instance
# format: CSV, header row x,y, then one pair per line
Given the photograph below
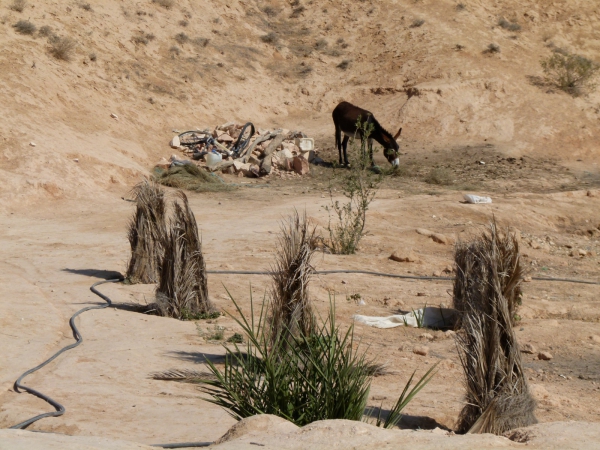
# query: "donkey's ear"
x,y
398,134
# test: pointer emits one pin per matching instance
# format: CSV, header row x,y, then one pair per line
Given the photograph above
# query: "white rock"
x,y
114,116
33,144
175,142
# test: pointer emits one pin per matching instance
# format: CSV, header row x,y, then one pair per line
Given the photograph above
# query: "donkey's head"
x,y
392,150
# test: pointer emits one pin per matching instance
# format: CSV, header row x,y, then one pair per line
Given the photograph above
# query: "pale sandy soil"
x,y
63,221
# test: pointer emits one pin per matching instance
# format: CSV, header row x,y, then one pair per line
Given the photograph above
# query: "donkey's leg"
x,y
338,142
345,147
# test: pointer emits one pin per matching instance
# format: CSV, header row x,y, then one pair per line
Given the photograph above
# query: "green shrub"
x,y
569,72
299,378
24,27
182,38
359,185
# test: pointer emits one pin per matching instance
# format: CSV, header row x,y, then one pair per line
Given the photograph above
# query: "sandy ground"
x,y
53,254
486,122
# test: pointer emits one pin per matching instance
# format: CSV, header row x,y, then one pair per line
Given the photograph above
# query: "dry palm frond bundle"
x,y
146,233
486,289
182,290
290,310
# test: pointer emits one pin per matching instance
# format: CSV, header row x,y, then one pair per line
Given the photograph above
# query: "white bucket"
x,y
212,159
305,144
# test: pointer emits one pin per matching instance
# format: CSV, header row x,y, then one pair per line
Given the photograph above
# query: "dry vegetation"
x,y
486,293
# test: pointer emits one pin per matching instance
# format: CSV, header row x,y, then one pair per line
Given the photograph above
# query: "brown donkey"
x,y
345,117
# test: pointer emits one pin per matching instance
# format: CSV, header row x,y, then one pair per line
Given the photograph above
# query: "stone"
x,y
32,144
595,338
582,252
224,138
175,142
544,356
424,232
528,348
440,238
592,194
449,333
114,116
448,269
301,166
254,160
535,245
527,279
309,155
400,256
163,164
421,350
286,153
437,273
427,336
238,165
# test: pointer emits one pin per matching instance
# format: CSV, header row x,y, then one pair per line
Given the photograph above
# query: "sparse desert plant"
x,y
440,176
290,308
237,338
486,294
345,64
321,44
417,23
183,23
18,5
324,375
508,25
182,287
24,27
569,72
342,43
200,41
182,38
297,12
270,11
359,185
167,4
62,47
86,7
93,57
146,233
45,31
492,48
459,47
174,51
461,6
270,38
143,38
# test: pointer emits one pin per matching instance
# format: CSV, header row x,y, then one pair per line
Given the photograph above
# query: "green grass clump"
x,y
24,27
302,378
62,48
569,72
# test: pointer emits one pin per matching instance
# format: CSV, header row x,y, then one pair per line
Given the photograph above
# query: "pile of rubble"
x,y
259,153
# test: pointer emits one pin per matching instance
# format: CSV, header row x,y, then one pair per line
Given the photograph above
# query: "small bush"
x,y
417,23
297,12
200,41
344,64
45,31
182,38
301,379
18,5
24,27
459,47
143,38
321,44
62,48
359,186
270,11
237,338
93,57
492,48
570,73
175,51
86,7
342,43
270,38
167,4
507,25
439,176
183,23
461,7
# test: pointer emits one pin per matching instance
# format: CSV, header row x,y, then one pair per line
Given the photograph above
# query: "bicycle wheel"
x,y
189,138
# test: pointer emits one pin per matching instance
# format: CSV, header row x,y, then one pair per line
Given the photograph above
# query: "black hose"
x,y
60,409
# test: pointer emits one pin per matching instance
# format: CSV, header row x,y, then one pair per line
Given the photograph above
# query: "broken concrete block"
x,y
301,165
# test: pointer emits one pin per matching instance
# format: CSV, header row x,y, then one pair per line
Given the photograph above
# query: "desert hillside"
x,y
91,95
167,65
